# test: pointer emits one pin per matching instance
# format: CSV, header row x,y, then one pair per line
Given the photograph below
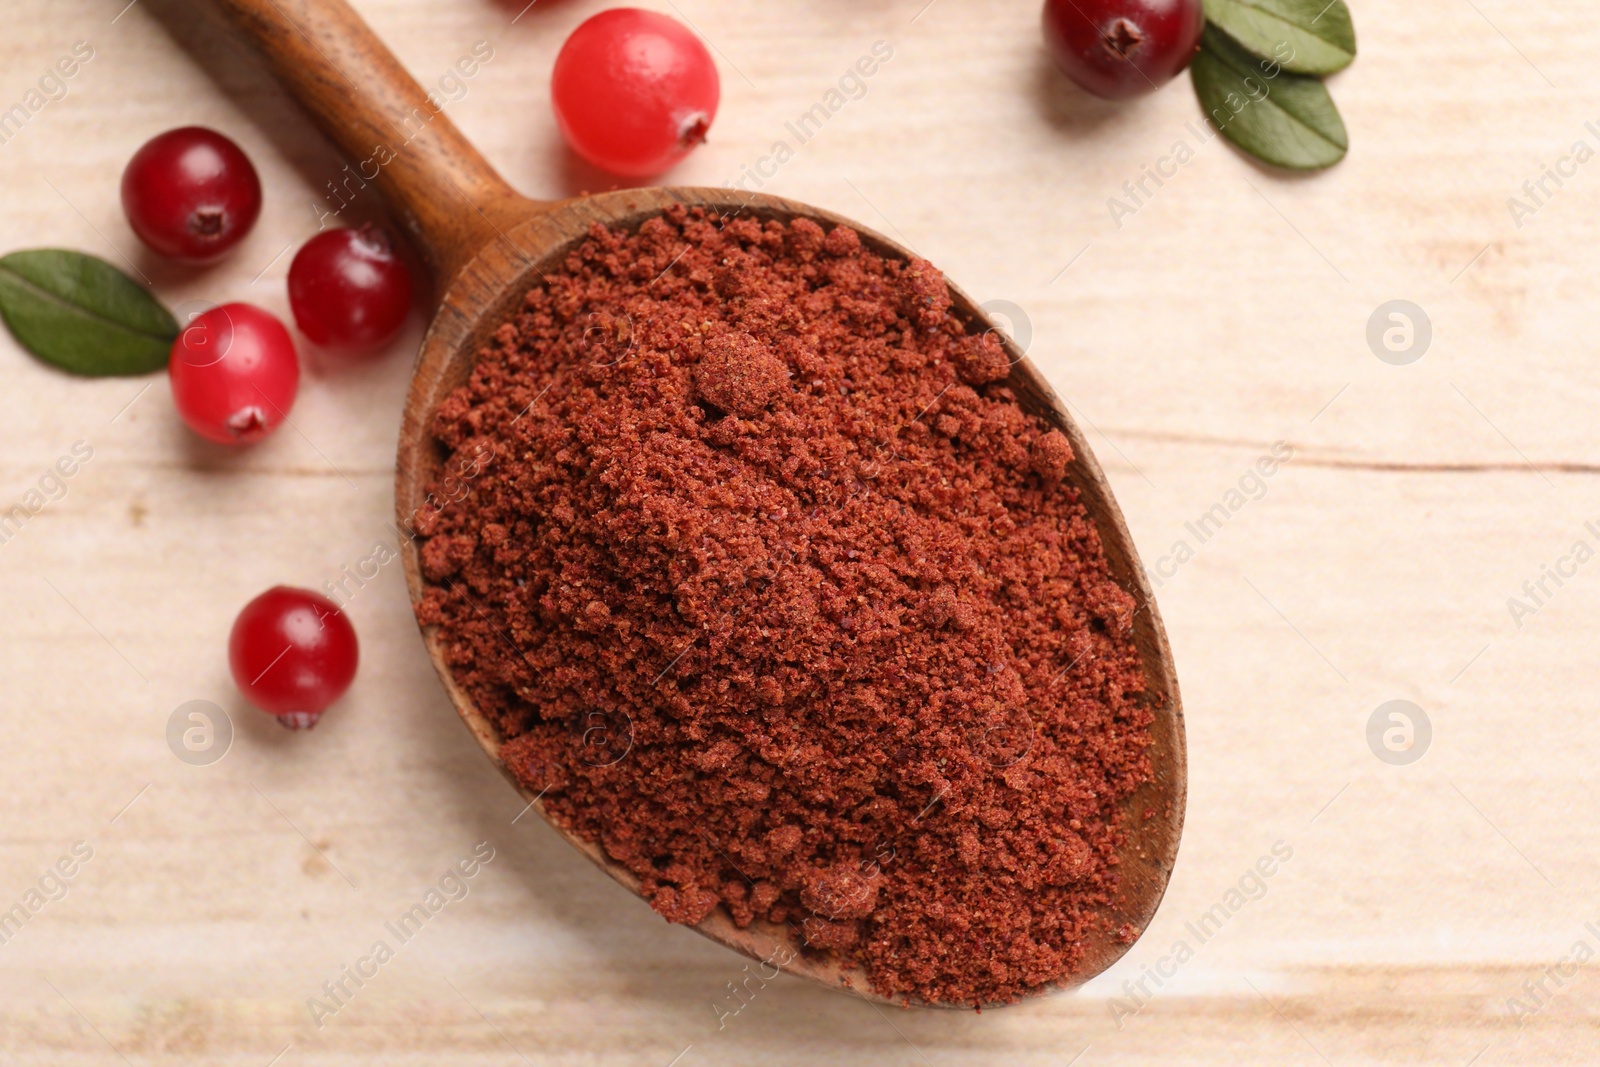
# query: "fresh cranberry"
x,y
234,374
191,194
1120,48
634,91
349,291
292,653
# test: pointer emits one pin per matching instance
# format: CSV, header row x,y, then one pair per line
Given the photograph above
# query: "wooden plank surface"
x,y
1229,312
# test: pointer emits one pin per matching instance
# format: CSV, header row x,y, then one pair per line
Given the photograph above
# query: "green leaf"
x,y
1284,119
82,314
1304,36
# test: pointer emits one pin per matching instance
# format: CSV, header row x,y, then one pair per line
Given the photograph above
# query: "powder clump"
x,y
739,375
1050,455
772,588
981,359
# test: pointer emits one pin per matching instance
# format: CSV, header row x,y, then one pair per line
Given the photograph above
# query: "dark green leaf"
x,y
1303,36
1284,119
82,314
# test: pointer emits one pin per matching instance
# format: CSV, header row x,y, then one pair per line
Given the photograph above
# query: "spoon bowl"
x,y
488,245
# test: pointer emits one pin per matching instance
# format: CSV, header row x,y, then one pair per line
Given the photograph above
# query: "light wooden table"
x,y
1229,313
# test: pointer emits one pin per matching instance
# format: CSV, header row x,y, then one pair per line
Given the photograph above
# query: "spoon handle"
x,y
395,137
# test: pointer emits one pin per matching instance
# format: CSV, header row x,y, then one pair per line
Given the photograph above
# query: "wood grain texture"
x,y
1230,311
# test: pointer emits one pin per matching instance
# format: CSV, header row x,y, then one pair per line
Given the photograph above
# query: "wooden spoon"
x,y
486,245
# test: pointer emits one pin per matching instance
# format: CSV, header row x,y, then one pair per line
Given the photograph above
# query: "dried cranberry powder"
x,y
776,593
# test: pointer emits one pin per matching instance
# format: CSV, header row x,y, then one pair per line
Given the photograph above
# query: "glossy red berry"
x,y
349,291
634,91
1121,48
292,653
234,374
191,194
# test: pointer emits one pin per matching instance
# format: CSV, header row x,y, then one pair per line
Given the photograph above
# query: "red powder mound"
x,y
775,593
738,374
1050,455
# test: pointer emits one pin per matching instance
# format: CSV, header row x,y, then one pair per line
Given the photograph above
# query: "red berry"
x,y
292,653
191,194
1120,48
349,291
634,91
234,374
